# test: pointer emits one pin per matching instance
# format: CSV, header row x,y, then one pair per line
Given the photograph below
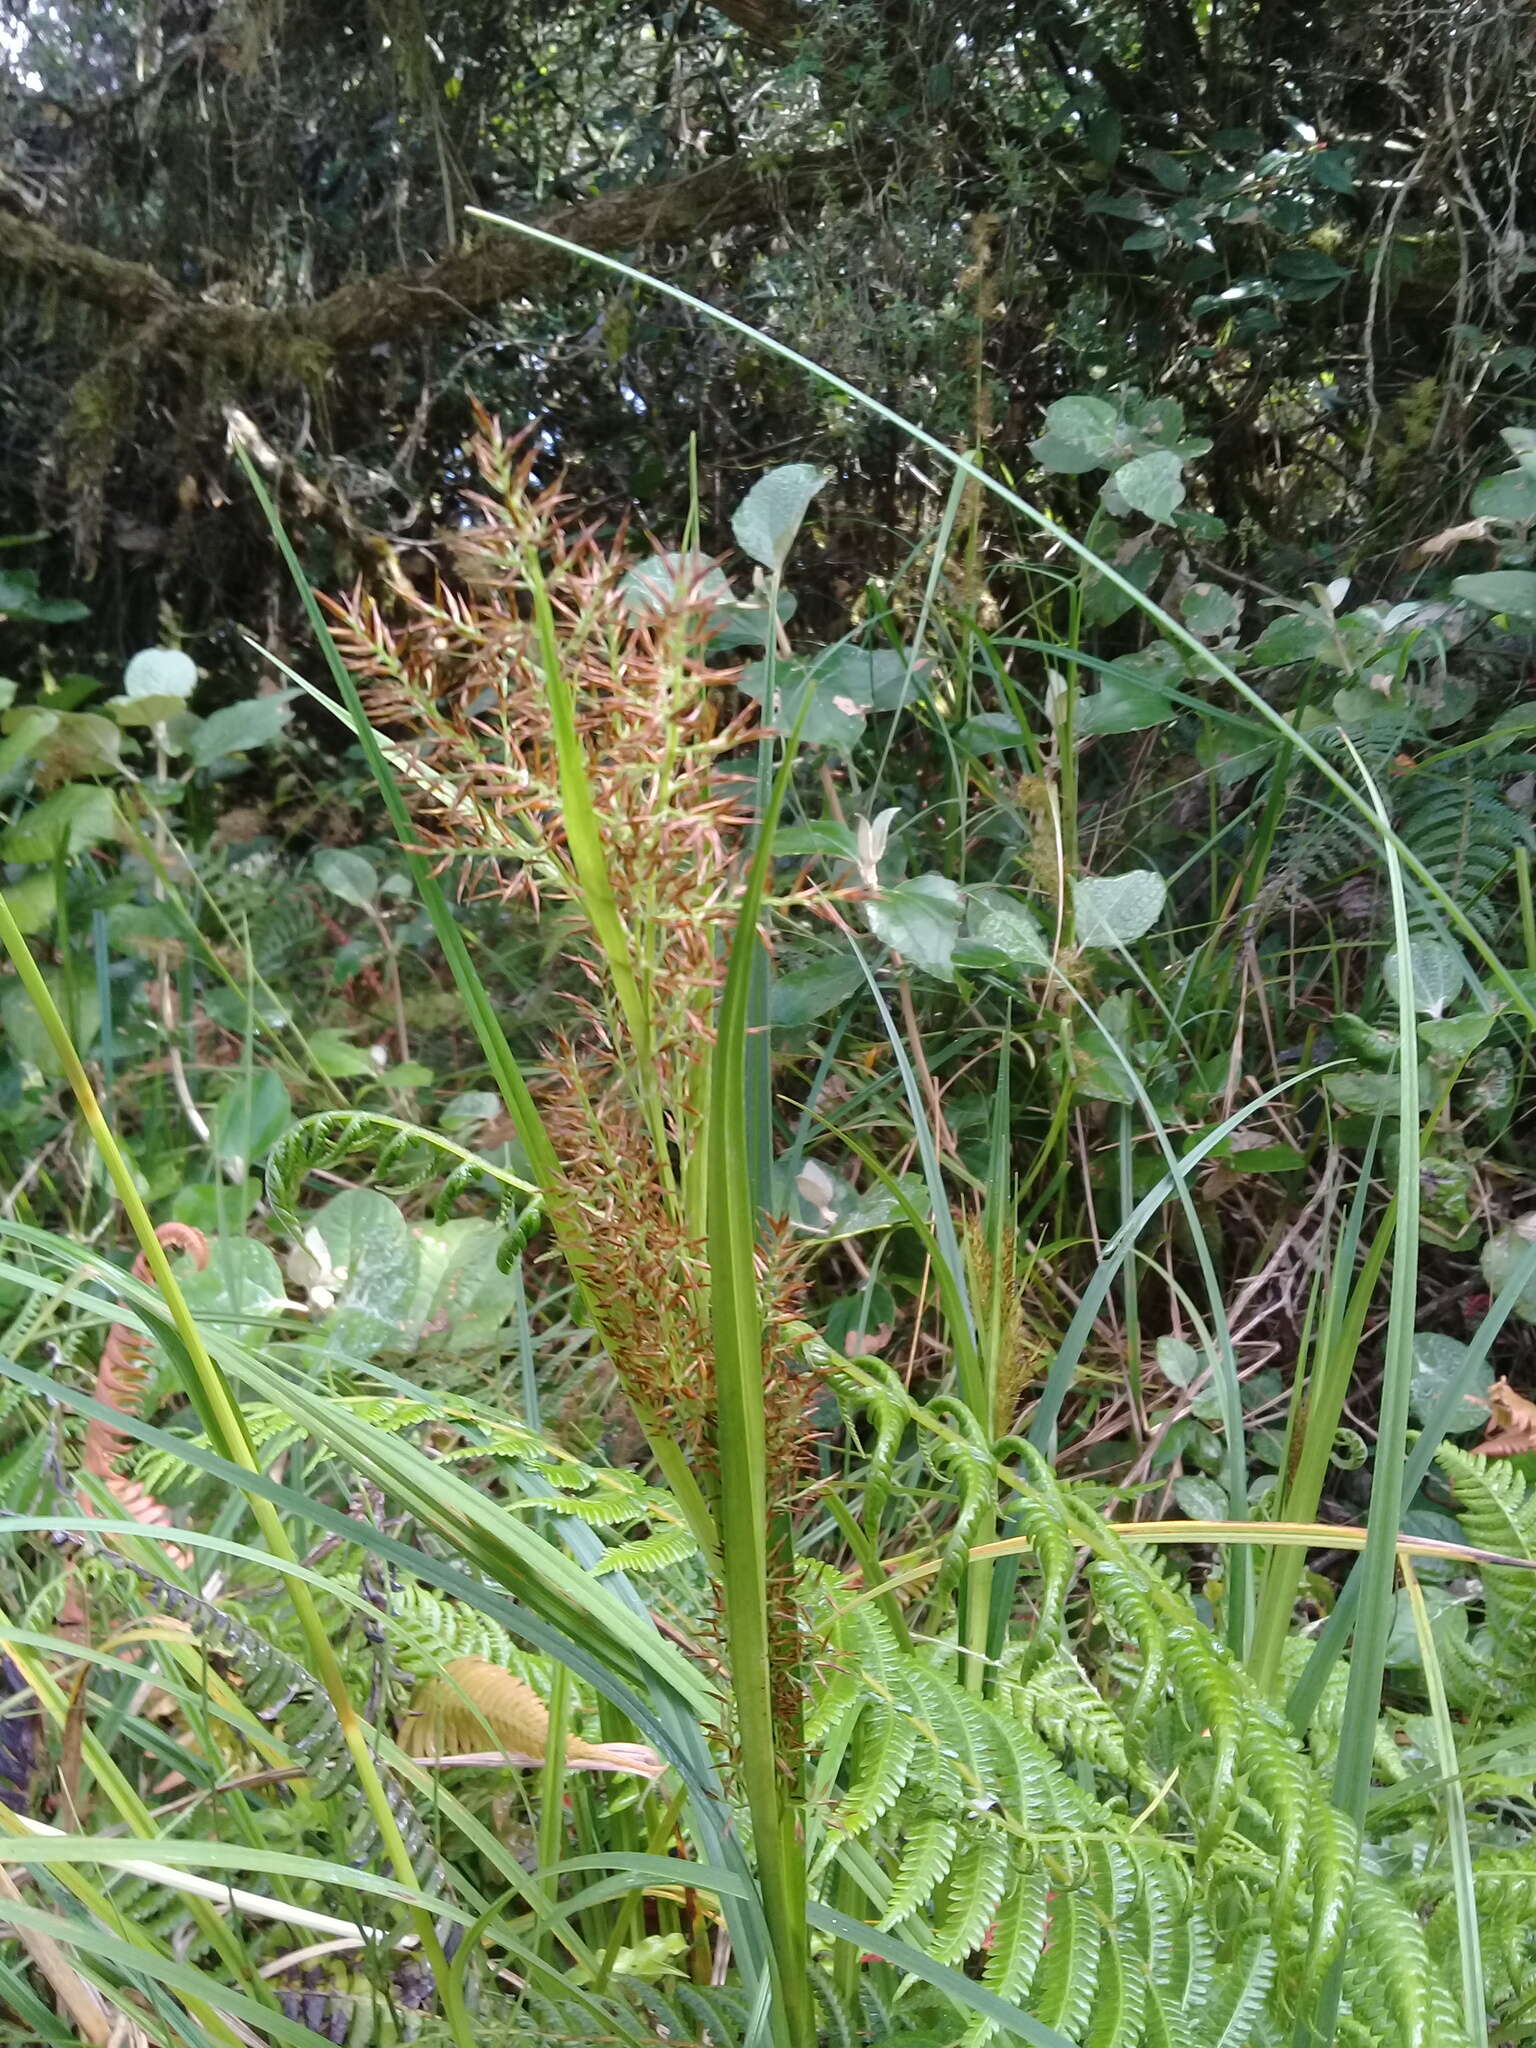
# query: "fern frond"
x,y
1462,830
473,1706
973,1890
656,1553
1062,1993
1233,2008
1075,1721
926,1856
1497,1509
427,1631
1017,1940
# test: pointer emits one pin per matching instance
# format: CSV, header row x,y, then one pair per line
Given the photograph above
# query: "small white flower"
x,y
309,1266
872,838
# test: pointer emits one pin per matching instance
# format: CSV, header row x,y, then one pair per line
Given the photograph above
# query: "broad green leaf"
x,y
1363,1093
160,672
249,1119
1439,973
1308,265
1209,611
127,711
410,1074
1152,484
1294,637
1332,169
1500,590
255,723
20,599
1455,1037
661,583
367,1262
464,1112
461,1299
748,624
833,717
1375,1045
83,744
1098,1074
33,901
242,1280
990,732
81,814
920,920
770,515
1200,1498
1489,1082
1510,498
998,920
351,876
334,1054
1437,1363
813,837
142,927
875,678
1504,1251
1447,1627
214,1205
1179,1362
824,1204
1121,704
1080,434
806,993
67,745
1264,1159
1114,910
26,1036
1105,602
26,734
1172,175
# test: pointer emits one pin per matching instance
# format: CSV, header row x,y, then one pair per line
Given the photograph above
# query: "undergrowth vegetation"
x,y
825,1346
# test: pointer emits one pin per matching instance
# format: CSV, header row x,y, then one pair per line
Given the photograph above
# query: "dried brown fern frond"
x,y
120,1377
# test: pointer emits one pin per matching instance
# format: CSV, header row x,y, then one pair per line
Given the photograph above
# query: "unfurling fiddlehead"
x,y
404,1158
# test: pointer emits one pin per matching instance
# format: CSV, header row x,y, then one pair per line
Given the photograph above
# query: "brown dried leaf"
x,y
1511,1423
1452,537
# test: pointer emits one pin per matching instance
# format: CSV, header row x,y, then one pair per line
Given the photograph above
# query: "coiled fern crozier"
x,y
403,1158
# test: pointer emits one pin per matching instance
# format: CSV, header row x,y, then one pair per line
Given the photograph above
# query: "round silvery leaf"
x,y
1113,910
160,672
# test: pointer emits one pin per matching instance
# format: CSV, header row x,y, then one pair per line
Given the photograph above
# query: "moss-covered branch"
x,y
397,304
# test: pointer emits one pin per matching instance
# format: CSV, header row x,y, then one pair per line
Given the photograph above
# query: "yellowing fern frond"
x,y
472,1708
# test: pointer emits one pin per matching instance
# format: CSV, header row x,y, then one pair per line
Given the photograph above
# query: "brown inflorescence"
x,y
459,678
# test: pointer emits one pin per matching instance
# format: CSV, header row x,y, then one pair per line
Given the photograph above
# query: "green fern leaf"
x,y
1015,1947
972,1892
1062,1994
926,1856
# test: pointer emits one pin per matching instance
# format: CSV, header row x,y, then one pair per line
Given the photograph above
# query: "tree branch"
x,y
397,304
130,290
776,24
